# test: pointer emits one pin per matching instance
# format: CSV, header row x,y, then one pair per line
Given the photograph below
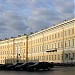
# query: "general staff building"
x,y
55,44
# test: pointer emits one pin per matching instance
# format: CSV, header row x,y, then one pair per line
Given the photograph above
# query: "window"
x,y
73,42
65,33
55,35
52,57
47,46
55,45
55,57
66,56
61,34
73,55
58,57
52,45
68,43
58,35
47,38
68,32
73,31
62,56
69,56
65,43
49,57
58,44
61,44
52,36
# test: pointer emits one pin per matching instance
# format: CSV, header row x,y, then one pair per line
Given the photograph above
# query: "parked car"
x,y
23,66
12,67
3,66
40,66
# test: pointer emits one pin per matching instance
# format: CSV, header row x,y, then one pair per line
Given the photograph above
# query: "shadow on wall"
x,y
69,56
9,61
14,61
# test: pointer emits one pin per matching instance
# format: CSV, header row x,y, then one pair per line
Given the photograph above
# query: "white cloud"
x,y
33,15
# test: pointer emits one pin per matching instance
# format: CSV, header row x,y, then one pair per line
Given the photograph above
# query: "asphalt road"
x,y
54,71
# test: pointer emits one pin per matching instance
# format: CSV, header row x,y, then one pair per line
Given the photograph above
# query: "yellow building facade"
x,y
13,50
54,44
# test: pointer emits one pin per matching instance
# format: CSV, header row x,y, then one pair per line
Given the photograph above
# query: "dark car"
x,y
23,66
12,67
3,66
40,66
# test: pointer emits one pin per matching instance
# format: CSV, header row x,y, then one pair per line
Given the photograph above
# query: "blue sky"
x,y
25,16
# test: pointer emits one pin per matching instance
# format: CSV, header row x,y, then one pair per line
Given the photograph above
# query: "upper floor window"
x,y
73,31
55,35
58,35
65,33
73,42
69,32
69,43
46,38
52,36
61,34
58,44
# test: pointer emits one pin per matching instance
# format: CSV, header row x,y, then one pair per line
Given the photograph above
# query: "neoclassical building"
x,y
54,44
14,50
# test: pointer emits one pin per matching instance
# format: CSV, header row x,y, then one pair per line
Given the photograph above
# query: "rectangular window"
x,y
49,57
66,56
47,38
73,42
52,36
47,46
65,33
65,43
58,57
52,57
55,35
61,34
55,45
68,43
68,32
58,35
61,44
52,45
58,44
73,55
55,57
69,56
73,31
62,56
